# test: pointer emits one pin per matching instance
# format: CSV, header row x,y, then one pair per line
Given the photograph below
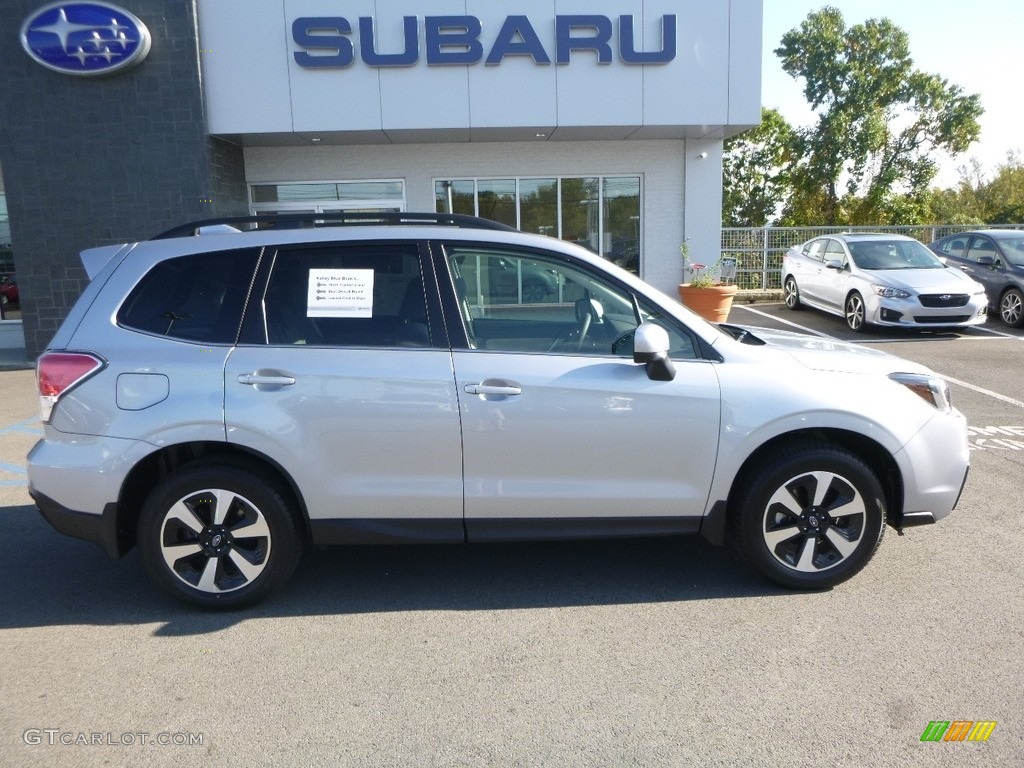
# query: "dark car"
x,y
995,258
9,290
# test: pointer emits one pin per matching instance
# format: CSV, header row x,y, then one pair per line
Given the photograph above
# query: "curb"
x,y
758,296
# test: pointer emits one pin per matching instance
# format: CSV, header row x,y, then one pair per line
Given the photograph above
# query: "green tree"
x,y
754,175
979,200
871,154
961,204
1003,197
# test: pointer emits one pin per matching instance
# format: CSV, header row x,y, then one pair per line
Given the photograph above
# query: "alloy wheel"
x,y
215,541
855,312
1011,308
814,522
791,293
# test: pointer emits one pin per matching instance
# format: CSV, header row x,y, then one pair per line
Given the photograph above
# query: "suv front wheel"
x,y
215,535
809,517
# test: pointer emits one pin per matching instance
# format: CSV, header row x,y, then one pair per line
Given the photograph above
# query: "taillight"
x,y
59,372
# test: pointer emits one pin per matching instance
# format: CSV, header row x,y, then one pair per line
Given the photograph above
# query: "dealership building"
x,y
596,122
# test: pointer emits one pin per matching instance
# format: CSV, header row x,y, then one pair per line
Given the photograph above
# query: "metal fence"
x,y
758,251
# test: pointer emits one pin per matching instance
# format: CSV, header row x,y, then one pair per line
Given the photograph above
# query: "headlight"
x,y
931,389
887,292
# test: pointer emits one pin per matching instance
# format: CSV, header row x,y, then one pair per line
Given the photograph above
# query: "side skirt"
x,y
453,531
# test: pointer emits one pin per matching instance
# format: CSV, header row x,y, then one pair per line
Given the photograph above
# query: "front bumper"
x,y
909,313
934,464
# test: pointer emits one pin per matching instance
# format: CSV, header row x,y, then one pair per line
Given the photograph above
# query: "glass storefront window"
x,y
320,192
456,197
600,213
581,212
496,199
6,253
621,221
538,206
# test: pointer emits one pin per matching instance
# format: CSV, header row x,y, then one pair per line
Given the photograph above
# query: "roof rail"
x,y
333,219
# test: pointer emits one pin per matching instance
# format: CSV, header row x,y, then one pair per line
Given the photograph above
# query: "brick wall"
x,y
91,161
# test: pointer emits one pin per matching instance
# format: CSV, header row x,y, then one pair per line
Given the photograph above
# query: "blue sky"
x,y
975,44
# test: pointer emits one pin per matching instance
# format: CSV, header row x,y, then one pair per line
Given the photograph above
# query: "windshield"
x,y
1013,249
893,254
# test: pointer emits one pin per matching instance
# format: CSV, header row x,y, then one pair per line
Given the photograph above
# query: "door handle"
x,y
274,379
494,387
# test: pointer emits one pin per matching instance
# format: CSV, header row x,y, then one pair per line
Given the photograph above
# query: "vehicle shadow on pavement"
x,y
50,579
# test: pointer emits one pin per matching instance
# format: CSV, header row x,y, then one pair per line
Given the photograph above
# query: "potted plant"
x,y
705,294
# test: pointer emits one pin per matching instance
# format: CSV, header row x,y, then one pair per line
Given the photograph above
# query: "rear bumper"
x,y
76,480
101,529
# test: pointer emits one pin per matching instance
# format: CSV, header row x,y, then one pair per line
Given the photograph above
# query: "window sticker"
x,y
340,293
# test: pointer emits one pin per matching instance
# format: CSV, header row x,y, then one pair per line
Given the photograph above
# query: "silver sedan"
x,y
878,279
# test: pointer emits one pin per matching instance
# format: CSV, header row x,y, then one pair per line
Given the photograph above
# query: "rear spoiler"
x,y
94,259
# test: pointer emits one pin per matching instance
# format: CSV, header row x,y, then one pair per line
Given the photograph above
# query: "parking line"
x,y
982,390
30,426
773,318
13,469
998,333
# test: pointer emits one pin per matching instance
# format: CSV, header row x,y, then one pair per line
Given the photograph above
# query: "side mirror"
x,y
986,261
835,264
650,348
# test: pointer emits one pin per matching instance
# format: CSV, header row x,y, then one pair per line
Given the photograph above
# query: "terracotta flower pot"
x,y
712,302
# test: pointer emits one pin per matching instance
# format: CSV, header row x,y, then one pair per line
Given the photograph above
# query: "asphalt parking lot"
x,y
645,653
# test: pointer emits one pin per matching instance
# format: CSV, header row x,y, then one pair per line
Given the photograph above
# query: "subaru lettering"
x,y
326,43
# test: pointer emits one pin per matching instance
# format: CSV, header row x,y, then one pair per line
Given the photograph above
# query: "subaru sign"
x,y
85,38
325,41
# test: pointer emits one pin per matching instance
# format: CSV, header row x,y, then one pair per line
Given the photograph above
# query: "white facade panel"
x,y
244,61
745,74
695,90
519,92
317,100
473,65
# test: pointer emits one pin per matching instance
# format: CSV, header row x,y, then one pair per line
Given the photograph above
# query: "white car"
x,y
878,279
224,398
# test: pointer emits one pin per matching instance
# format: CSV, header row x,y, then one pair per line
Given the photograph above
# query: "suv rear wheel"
x,y
215,535
810,516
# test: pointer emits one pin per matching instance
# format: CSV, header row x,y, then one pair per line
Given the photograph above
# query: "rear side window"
x,y
814,249
343,295
193,298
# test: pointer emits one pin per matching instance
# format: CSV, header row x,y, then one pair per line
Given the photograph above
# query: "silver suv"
x,y
224,398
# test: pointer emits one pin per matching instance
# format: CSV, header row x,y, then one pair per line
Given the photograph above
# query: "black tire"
x,y
1011,308
855,313
780,531
791,293
189,538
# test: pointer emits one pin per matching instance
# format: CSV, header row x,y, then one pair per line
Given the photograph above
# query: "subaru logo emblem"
x,y
945,297
85,38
